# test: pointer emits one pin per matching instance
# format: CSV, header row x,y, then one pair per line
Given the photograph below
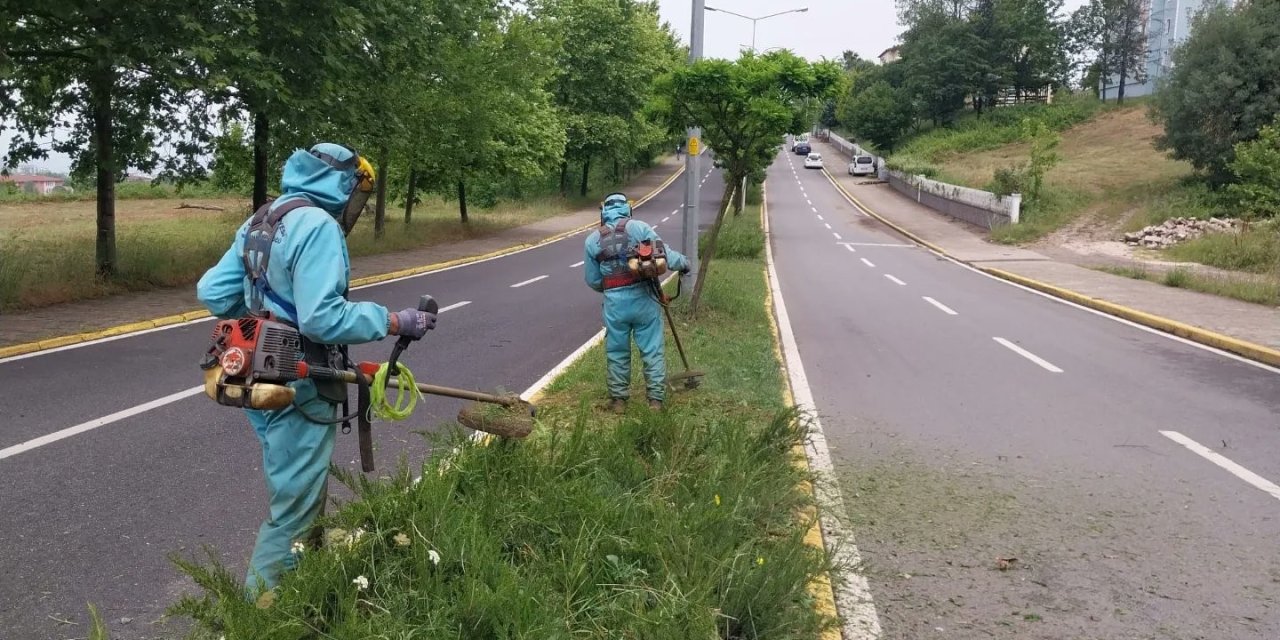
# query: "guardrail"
x,y
975,206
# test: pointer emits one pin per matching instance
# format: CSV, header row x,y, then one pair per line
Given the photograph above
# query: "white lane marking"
x,y
1044,364
883,244
815,210
454,306
895,280
555,371
1224,462
820,217
827,225
945,309
577,264
1101,314
853,592
868,262
666,218
809,201
90,425
529,281
836,235
851,249
98,422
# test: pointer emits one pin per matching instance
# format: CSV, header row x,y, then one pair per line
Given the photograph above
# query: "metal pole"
x,y
753,35
692,190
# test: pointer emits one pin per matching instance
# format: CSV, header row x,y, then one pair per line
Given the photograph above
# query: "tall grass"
x,y
124,191
1255,249
663,526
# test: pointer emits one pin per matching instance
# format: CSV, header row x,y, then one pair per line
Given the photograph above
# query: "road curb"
x,y
1244,348
823,593
198,314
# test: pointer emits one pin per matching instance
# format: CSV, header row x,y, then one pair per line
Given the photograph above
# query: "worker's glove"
x,y
414,324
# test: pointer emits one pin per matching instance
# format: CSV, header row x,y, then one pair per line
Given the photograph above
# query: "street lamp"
x,y
755,20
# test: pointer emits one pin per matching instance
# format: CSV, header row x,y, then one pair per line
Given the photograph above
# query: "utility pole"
x,y
693,153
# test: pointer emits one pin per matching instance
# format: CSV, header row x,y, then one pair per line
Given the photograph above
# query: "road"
x,y
92,517
1016,467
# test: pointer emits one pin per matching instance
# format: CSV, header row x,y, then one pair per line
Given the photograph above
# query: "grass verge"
x,y
674,525
47,250
1256,290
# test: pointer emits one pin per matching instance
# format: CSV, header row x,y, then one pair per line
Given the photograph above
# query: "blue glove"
x,y
414,324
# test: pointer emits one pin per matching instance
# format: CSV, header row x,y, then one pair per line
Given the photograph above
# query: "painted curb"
x,y
155,323
820,588
1244,348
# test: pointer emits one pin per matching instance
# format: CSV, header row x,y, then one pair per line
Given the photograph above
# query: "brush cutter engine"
x,y
249,361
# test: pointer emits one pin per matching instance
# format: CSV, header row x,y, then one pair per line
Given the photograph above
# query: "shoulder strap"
x,y
258,242
614,241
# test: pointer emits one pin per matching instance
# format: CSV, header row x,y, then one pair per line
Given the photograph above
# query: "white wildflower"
x,y
361,583
433,556
297,548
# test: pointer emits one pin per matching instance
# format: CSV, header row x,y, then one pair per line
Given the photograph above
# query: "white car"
x,y
862,166
813,161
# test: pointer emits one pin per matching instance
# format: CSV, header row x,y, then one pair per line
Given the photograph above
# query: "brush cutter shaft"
x,y
356,377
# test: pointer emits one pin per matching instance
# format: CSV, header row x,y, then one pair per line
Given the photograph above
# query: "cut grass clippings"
x,y
675,525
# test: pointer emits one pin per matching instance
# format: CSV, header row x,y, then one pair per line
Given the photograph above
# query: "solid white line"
x,y
529,281
895,280
945,309
454,306
827,225
577,264
1045,364
851,249
836,235
868,262
853,592
555,371
1224,462
99,422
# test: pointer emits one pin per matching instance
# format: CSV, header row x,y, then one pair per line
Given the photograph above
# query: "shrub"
x,y
1256,169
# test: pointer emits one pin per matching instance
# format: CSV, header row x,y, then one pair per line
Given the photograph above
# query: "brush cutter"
x,y
252,359
689,378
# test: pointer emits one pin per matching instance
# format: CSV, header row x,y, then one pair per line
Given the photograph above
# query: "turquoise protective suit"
x,y
631,309
309,269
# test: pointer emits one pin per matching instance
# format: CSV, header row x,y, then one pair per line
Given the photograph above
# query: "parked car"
x,y
803,149
796,141
863,165
813,161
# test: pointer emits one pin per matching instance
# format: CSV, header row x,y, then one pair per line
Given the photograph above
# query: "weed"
x,y
1177,278
1255,249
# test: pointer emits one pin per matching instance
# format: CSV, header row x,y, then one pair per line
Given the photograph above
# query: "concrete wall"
x,y
982,208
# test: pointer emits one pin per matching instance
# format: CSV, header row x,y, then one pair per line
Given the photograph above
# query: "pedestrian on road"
x,y
629,304
297,268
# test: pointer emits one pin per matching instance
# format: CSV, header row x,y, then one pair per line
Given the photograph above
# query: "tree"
x,y
1109,36
943,64
880,115
1223,88
608,53
744,108
112,72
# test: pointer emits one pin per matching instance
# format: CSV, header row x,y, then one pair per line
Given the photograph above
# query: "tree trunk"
x,y
409,195
462,200
564,177
586,169
380,211
261,145
103,82
1126,45
705,258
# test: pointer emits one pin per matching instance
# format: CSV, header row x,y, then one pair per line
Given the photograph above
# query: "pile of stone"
x,y
1171,232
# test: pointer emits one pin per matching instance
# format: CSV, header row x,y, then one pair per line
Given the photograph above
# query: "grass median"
x,y
689,523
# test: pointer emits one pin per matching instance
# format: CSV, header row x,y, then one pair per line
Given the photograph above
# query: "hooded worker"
x,y
290,259
630,305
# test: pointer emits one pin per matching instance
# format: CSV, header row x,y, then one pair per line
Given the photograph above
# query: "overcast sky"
x,y
829,27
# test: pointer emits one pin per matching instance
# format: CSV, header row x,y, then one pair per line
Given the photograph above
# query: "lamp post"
x,y
756,20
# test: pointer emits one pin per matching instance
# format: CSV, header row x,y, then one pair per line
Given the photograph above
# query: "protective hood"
x,y
307,175
614,209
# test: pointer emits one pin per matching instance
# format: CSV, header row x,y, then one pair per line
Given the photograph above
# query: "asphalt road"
x,y
972,419
93,517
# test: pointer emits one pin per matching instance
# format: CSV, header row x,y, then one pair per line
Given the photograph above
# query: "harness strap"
x,y
258,242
